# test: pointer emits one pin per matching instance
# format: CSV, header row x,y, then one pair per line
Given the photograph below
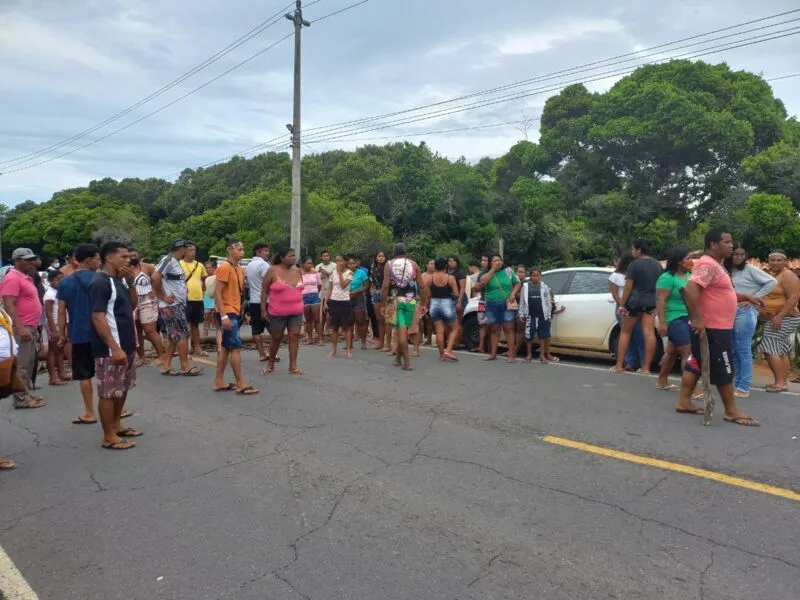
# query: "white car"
x,y
589,323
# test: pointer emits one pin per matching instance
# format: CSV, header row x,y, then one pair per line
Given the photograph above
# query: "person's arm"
x,y
265,283
62,321
691,297
219,302
10,304
423,288
328,292
100,294
203,277
319,283
661,300
129,276
791,286
487,277
763,279
462,288
454,288
614,289
48,309
386,283
516,283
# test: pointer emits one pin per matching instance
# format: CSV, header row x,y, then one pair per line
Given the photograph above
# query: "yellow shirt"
x,y
195,273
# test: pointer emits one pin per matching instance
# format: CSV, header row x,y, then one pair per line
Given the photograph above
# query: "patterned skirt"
x,y
779,342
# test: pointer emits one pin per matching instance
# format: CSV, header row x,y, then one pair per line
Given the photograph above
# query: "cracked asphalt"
x,y
360,481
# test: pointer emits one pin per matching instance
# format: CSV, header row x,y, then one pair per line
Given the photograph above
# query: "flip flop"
x,y
265,359
170,373
193,372
554,359
247,391
120,445
129,432
126,413
31,403
82,421
773,389
58,383
687,411
743,421
229,387
7,465
667,388
295,371
617,371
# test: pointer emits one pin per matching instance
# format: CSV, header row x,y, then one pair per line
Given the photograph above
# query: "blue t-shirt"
x,y
359,279
111,297
74,291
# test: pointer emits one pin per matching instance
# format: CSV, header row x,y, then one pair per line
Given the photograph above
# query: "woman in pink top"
x,y
312,303
284,307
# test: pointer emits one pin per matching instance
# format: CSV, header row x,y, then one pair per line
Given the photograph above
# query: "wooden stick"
x,y
705,376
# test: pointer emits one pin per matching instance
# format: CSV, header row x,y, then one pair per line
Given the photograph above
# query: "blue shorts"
x,y
376,298
231,340
679,332
536,327
311,300
359,302
497,313
442,310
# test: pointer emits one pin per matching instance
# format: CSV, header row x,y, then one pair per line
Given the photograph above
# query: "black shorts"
x,y
719,352
257,323
82,361
195,312
341,313
638,311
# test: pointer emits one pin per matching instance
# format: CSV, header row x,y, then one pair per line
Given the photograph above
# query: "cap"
x,y
22,254
179,243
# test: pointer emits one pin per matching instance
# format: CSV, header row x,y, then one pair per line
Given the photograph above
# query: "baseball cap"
x,y
179,243
22,254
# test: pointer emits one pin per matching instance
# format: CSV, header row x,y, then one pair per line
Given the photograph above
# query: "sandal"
x,y
193,372
126,413
743,421
170,373
129,432
247,391
776,389
7,465
618,370
296,371
31,403
58,383
267,370
667,388
554,359
228,387
690,411
120,445
82,421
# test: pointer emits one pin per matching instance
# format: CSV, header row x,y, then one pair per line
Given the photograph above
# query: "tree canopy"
x,y
667,152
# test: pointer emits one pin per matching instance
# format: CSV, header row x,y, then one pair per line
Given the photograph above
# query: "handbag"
x,y
9,381
511,303
390,311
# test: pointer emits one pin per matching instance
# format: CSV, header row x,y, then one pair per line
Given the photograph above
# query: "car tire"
x,y
613,343
471,334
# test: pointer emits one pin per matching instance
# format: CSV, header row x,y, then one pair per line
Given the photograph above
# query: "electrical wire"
x,y
783,77
341,10
258,29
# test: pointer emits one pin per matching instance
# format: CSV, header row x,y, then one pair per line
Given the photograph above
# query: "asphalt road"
x,y
360,481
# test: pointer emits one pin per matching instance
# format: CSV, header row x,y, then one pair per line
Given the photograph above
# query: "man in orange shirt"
x,y
228,298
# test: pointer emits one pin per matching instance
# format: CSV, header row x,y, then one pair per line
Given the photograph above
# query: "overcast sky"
x,y
67,65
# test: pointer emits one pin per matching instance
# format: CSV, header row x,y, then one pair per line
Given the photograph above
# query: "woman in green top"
x,y
673,318
500,285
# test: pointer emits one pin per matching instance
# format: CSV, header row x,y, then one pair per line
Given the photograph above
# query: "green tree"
x,y
775,170
769,221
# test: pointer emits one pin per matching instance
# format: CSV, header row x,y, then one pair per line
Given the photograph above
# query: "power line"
x,y
599,64
438,132
783,77
341,10
260,28
148,115
322,137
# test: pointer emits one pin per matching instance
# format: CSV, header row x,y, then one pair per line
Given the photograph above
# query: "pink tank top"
x,y
311,283
285,300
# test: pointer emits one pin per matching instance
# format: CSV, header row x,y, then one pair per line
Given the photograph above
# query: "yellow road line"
x,y
13,585
671,466
205,361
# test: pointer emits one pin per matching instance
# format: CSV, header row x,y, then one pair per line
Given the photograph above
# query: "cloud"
x,y
546,37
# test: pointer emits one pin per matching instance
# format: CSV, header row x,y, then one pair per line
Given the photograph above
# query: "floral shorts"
x,y
175,324
114,381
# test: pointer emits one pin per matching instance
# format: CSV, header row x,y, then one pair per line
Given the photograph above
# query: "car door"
x,y
589,315
557,281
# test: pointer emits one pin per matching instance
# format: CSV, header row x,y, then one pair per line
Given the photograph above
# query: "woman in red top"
x,y
282,306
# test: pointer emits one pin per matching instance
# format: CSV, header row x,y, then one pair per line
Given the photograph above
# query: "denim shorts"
x,y
679,332
311,300
497,313
359,302
231,340
376,298
442,310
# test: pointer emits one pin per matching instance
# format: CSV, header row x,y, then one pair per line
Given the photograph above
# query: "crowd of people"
x,y
91,318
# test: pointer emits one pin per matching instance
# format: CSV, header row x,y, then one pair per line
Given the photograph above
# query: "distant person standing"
x,y
74,300
325,270
55,351
401,282
340,306
711,302
616,285
169,283
781,321
254,274
228,293
639,302
146,313
282,302
21,302
114,299
196,276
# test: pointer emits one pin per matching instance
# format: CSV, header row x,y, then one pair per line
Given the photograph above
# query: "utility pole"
x,y
294,128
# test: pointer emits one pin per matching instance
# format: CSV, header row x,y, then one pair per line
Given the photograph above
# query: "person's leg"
x,y
775,363
236,367
309,325
140,337
482,331
625,334
373,319
219,375
26,351
194,331
688,383
109,379
155,340
495,341
87,395
334,339
438,326
544,351
529,350
294,344
667,364
52,372
316,322
637,345
649,333
511,340
276,335
743,330
106,410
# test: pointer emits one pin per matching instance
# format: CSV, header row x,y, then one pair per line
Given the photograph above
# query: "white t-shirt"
x,y
618,279
339,293
254,274
329,268
6,349
50,294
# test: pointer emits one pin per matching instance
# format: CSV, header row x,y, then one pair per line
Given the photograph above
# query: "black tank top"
x,y
441,291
